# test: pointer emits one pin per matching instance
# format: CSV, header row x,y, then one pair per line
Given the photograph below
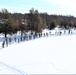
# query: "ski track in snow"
x,y
11,68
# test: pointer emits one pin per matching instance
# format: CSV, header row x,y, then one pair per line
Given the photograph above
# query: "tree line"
x,y
34,21
11,23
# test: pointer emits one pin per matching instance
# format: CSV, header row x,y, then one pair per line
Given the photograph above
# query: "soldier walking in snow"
x,y
69,31
50,33
21,38
39,35
10,39
24,38
64,31
30,37
18,40
34,36
3,44
15,39
44,34
60,32
7,43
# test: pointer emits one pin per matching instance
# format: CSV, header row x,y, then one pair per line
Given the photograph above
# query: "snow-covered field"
x,y
45,55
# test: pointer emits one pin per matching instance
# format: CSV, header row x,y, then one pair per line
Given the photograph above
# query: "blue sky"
x,y
62,7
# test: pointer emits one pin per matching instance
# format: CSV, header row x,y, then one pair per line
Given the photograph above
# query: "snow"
x,y
45,55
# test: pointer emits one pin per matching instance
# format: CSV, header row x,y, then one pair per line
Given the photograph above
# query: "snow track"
x,y
12,69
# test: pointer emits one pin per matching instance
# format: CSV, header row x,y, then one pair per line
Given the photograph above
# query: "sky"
x,y
58,7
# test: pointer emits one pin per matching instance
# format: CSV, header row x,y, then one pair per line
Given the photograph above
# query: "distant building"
x,y
24,22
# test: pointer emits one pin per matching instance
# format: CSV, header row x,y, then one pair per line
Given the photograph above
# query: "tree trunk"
x,y
5,35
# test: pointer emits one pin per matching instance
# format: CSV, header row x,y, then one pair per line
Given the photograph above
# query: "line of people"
x,y
29,37
9,40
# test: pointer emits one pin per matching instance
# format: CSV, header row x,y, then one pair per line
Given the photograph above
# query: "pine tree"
x,y
35,21
7,22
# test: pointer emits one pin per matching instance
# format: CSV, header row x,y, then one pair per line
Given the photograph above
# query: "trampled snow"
x,y
45,55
